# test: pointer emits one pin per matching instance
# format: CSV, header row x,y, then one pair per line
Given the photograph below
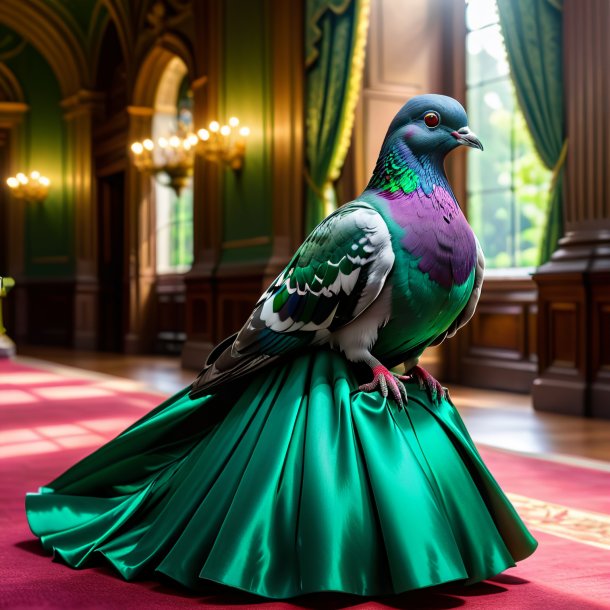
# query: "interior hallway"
x,y
498,419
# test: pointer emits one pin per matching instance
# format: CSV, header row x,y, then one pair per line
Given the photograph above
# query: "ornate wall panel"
x,y
498,346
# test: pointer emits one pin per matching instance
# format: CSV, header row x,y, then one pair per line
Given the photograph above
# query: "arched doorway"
x,y
161,103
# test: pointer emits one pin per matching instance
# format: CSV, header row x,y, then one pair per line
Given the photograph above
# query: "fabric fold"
x,y
294,482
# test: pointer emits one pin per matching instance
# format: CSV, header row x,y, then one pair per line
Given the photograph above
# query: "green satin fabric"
x,y
300,483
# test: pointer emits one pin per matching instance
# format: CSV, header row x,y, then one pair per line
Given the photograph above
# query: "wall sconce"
x,y
29,188
225,144
174,155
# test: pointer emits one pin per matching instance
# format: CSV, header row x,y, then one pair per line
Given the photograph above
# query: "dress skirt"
x,y
290,482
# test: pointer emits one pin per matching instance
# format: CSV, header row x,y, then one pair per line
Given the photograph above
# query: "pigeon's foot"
x,y
386,381
426,381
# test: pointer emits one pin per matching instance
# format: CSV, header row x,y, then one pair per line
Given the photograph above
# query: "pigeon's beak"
x,y
464,136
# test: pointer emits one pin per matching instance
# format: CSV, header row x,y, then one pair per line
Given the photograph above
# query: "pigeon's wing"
x,y
338,271
469,309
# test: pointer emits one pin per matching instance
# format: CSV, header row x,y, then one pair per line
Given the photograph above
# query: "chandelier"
x,y
29,188
174,156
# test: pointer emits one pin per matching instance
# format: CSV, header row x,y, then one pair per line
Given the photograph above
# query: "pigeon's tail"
x,y
224,365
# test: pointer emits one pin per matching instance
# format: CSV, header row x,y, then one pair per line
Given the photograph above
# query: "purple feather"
x,y
437,233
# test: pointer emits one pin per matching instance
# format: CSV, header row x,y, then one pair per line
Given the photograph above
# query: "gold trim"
x,y
313,23
353,90
10,83
262,240
13,108
49,260
199,82
140,111
84,96
559,164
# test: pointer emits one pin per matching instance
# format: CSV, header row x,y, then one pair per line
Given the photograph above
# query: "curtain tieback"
x,y
558,166
312,185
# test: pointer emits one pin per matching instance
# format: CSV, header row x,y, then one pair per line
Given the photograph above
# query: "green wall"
x,y
49,227
246,93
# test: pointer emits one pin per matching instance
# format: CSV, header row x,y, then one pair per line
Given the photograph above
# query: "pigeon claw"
x,y
427,382
386,382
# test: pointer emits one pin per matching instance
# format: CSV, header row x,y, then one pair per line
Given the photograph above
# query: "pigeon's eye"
x,y
432,120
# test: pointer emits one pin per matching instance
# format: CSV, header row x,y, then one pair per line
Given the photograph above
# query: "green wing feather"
x,y
337,272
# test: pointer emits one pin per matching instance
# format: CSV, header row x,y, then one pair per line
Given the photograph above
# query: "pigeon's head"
x,y
431,125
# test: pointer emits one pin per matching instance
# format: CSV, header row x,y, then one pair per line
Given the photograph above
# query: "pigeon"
x,y
382,277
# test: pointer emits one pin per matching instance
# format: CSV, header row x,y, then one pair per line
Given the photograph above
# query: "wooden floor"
x,y
498,419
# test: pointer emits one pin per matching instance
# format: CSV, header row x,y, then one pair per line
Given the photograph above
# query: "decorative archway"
x,y
45,29
161,66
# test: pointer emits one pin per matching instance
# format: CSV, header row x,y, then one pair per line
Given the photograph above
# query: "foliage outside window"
x,y
174,233
508,183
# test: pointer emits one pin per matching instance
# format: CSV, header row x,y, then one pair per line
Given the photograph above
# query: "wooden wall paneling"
x,y
561,385
572,375
254,218
397,68
50,312
237,295
287,83
496,350
170,308
207,184
80,113
600,361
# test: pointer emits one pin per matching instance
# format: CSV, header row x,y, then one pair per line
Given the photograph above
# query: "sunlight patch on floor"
x,y
72,392
16,397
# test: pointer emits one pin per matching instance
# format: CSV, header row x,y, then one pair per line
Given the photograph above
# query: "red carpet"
x,y
51,418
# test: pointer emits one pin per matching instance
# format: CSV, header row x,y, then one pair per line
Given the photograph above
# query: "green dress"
x,y
295,482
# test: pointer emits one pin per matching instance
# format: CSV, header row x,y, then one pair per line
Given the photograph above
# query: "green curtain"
x,y
532,32
335,39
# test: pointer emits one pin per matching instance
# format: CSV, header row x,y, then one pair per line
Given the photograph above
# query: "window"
x,y
508,184
174,213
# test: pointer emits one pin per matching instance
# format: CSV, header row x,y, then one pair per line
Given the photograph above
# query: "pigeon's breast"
x,y
437,234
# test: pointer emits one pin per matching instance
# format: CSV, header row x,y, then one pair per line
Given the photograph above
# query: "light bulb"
x,y
193,139
203,134
225,130
214,126
244,131
186,144
44,181
12,182
35,175
162,142
174,141
137,148
22,178
148,144
233,121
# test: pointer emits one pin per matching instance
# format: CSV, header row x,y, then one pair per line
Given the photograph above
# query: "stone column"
x,y
574,287
80,112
